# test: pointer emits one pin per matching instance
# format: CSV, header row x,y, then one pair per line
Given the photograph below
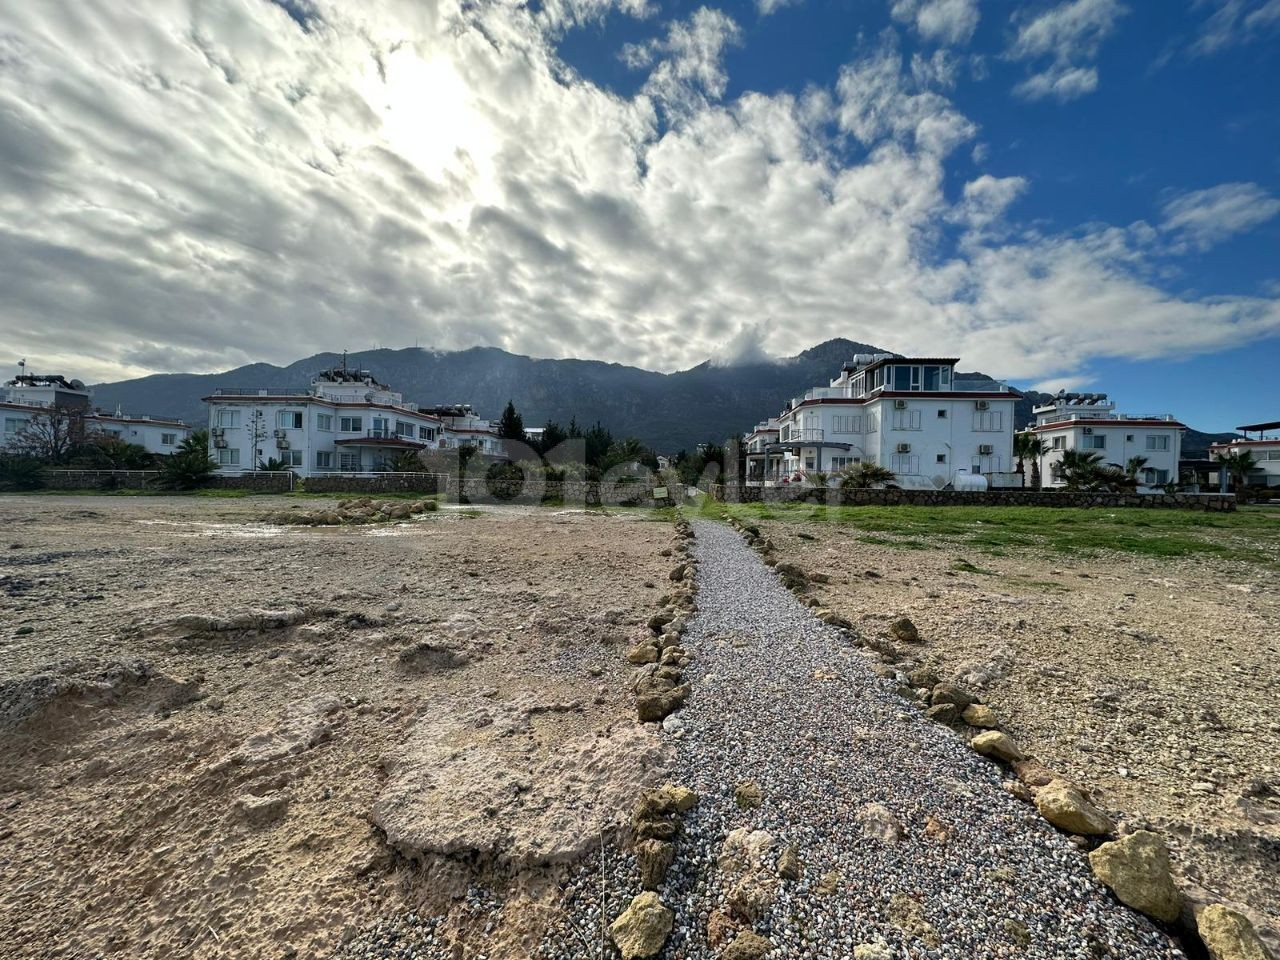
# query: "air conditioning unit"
x,y
219,442
904,448
899,404
1088,431
219,431
282,444
983,405
278,434
986,449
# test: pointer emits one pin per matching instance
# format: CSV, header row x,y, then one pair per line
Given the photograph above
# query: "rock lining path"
x,y
784,701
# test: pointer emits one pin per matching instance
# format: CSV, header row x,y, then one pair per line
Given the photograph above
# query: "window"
x,y
942,414
1057,443
1157,443
988,421
873,423
13,424
404,428
324,460
1128,438
378,427
846,424
426,433
289,419
842,463
168,439
291,458
942,458
932,378
227,418
324,421
1097,441
349,461
228,457
350,424
906,419
904,463
902,377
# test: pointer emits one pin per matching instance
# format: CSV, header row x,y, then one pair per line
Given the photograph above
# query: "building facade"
x,y
1265,448
345,422
30,397
1088,421
907,414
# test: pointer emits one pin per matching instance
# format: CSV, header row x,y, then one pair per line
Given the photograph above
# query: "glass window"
x,y
349,461
227,418
351,424
168,439
324,421
378,426
1096,442
228,457
942,458
946,377
12,424
426,433
942,414
289,419
404,428
1157,443
902,378
932,378
324,459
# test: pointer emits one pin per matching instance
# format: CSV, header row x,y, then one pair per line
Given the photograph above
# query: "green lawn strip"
x,y
1249,534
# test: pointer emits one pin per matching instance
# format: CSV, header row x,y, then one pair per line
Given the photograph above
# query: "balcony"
x,y
385,438
1043,418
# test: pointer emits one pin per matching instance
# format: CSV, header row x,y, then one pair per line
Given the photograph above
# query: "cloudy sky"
x,y
1064,192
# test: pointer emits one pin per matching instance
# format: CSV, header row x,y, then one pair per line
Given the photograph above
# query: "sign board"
x,y
659,493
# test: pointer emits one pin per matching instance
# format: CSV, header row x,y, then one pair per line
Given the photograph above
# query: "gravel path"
x,y
785,701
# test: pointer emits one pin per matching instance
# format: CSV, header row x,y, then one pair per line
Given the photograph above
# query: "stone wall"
x,y
378,483
989,498
148,480
574,492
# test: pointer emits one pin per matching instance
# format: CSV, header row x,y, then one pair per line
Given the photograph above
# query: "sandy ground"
x,y
182,774
1153,682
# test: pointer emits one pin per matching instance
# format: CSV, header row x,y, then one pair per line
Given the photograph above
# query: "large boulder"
x,y
1063,805
997,745
1229,935
950,693
747,946
878,821
981,716
642,929
1136,868
904,631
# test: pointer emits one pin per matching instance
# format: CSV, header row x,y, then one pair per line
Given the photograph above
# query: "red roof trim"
x,y
1068,424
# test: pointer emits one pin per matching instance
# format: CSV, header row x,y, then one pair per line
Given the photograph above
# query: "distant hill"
x,y
666,411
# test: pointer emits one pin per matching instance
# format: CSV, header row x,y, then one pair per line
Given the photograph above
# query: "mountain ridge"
x,y
666,411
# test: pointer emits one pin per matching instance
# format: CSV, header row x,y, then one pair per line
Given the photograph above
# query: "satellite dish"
x,y
77,384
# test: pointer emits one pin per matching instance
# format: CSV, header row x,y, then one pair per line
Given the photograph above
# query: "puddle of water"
x,y
207,529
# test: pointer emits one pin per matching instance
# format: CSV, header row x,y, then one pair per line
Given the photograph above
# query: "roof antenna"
x,y
344,363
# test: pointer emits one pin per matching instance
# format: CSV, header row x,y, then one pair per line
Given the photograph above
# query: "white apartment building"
x,y
30,396
1088,421
908,414
345,422
1265,450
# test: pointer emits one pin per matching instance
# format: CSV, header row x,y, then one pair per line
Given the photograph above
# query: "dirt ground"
x,y
213,732
1152,681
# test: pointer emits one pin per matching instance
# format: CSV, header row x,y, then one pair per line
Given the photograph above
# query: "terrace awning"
x,y
1259,427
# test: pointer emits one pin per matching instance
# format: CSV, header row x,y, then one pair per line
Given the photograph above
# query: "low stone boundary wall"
x,y
261,482
581,492
1213,502
378,483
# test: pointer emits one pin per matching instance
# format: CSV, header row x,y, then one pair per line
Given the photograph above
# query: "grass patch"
x,y
1249,534
960,565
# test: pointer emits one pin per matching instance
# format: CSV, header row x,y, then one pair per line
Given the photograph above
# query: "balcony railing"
x,y
805,436
1104,415
389,434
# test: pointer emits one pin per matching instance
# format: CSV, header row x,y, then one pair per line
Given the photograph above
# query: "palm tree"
x,y
1079,468
1239,465
863,476
1028,446
1134,466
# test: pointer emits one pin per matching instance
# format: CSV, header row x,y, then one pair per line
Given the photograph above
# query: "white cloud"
x,y
214,181
767,7
943,21
1205,218
1061,43
1234,22
690,60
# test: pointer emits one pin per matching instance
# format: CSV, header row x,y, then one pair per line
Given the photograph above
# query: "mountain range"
x,y
666,411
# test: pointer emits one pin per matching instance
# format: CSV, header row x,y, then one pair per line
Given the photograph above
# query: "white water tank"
x,y
969,481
